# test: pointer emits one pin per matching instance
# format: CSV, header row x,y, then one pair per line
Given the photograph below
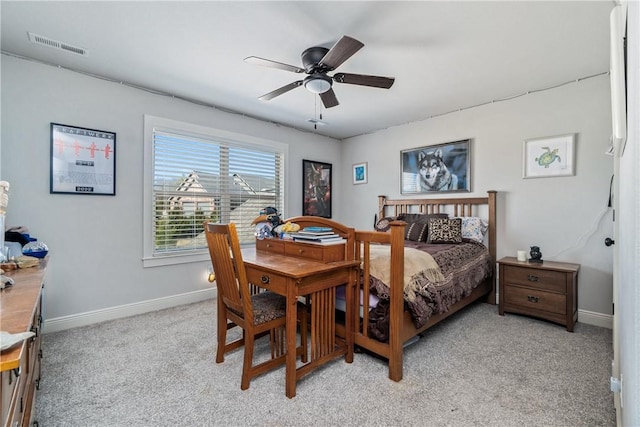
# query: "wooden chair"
x,y
258,314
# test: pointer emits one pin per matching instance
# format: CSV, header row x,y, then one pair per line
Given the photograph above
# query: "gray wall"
x,y
95,242
566,216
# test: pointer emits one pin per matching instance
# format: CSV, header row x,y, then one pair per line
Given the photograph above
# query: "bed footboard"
x,y
401,327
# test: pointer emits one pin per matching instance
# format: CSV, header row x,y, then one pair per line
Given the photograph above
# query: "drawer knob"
x,y
531,298
265,280
300,251
533,278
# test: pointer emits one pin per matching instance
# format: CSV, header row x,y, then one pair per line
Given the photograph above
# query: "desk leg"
x,y
350,315
291,337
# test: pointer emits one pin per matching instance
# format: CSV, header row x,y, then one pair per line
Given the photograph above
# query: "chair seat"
x,y
268,306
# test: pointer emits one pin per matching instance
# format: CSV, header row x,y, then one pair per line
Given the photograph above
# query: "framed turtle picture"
x,y
549,157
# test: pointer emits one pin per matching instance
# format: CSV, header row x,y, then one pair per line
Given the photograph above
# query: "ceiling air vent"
x,y
46,41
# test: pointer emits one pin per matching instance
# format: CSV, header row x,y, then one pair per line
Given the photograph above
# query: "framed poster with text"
x,y
83,161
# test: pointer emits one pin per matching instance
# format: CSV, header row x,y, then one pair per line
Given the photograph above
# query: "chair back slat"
x,y
228,266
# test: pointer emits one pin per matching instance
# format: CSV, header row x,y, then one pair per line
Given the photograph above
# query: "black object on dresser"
x,y
547,290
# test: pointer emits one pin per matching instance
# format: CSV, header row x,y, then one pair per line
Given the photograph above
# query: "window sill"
x,y
173,259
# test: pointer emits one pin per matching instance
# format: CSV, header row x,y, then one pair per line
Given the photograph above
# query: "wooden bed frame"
x,y
401,326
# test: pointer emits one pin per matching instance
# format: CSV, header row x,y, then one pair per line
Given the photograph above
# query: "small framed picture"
x,y
549,157
360,173
83,161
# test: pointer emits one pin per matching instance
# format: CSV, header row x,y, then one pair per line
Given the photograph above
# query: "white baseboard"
x,y
596,319
111,313
97,316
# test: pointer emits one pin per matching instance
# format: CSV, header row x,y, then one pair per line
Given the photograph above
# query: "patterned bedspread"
x,y
464,266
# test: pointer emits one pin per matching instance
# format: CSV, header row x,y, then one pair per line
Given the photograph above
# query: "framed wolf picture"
x,y
436,168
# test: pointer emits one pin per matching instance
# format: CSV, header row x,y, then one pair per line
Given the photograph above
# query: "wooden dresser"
x,y
548,290
21,311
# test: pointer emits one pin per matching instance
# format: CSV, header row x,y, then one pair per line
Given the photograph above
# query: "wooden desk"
x,y
293,277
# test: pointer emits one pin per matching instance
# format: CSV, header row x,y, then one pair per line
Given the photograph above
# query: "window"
x,y
194,174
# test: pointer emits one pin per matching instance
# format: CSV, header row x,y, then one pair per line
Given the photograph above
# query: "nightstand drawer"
x,y
535,299
536,278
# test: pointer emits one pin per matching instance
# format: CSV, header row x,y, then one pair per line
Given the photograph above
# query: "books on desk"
x,y
317,231
318,235
338,241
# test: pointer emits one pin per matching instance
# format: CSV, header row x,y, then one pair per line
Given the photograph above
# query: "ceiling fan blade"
x,y
363,80
340,52
273,64
278,92
329,99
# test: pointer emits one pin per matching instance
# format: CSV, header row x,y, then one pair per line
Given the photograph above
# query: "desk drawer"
x,y
308,251
536,278
321,253
267,280
328,253
536,299
14,382
8,393
272,245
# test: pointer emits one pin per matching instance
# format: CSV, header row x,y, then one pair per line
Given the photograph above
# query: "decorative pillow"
x,y
383,224
420,218
474,228
416,232
445,230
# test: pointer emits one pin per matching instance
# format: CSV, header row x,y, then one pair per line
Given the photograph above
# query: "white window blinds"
x,y
199,178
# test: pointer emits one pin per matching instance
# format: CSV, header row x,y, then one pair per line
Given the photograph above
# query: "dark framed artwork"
x,y
83,161
436,168
316,188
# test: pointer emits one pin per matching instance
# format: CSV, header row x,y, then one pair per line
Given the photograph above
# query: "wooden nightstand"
x,y
548,290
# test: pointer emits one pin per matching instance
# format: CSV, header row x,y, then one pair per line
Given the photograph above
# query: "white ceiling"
x,y
444,55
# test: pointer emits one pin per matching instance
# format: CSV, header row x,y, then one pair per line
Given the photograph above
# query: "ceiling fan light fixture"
x,y
317,83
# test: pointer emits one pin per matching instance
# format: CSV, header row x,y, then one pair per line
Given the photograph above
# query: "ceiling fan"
x,y
317,62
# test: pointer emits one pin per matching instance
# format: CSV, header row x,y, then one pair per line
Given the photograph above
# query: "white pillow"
x,y
474,228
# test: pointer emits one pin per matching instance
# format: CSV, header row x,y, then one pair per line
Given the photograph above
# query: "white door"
x,y
626,274
615,363
619,138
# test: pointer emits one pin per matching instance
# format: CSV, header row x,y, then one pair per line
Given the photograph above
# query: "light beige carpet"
x,y
475,369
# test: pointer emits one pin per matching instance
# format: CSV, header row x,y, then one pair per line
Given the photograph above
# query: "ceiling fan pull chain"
x,y
315,110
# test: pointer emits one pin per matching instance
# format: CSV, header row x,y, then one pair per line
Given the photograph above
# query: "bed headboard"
x,y
456,206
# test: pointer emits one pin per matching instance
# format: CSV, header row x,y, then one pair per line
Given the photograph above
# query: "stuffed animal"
x,y
269,215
